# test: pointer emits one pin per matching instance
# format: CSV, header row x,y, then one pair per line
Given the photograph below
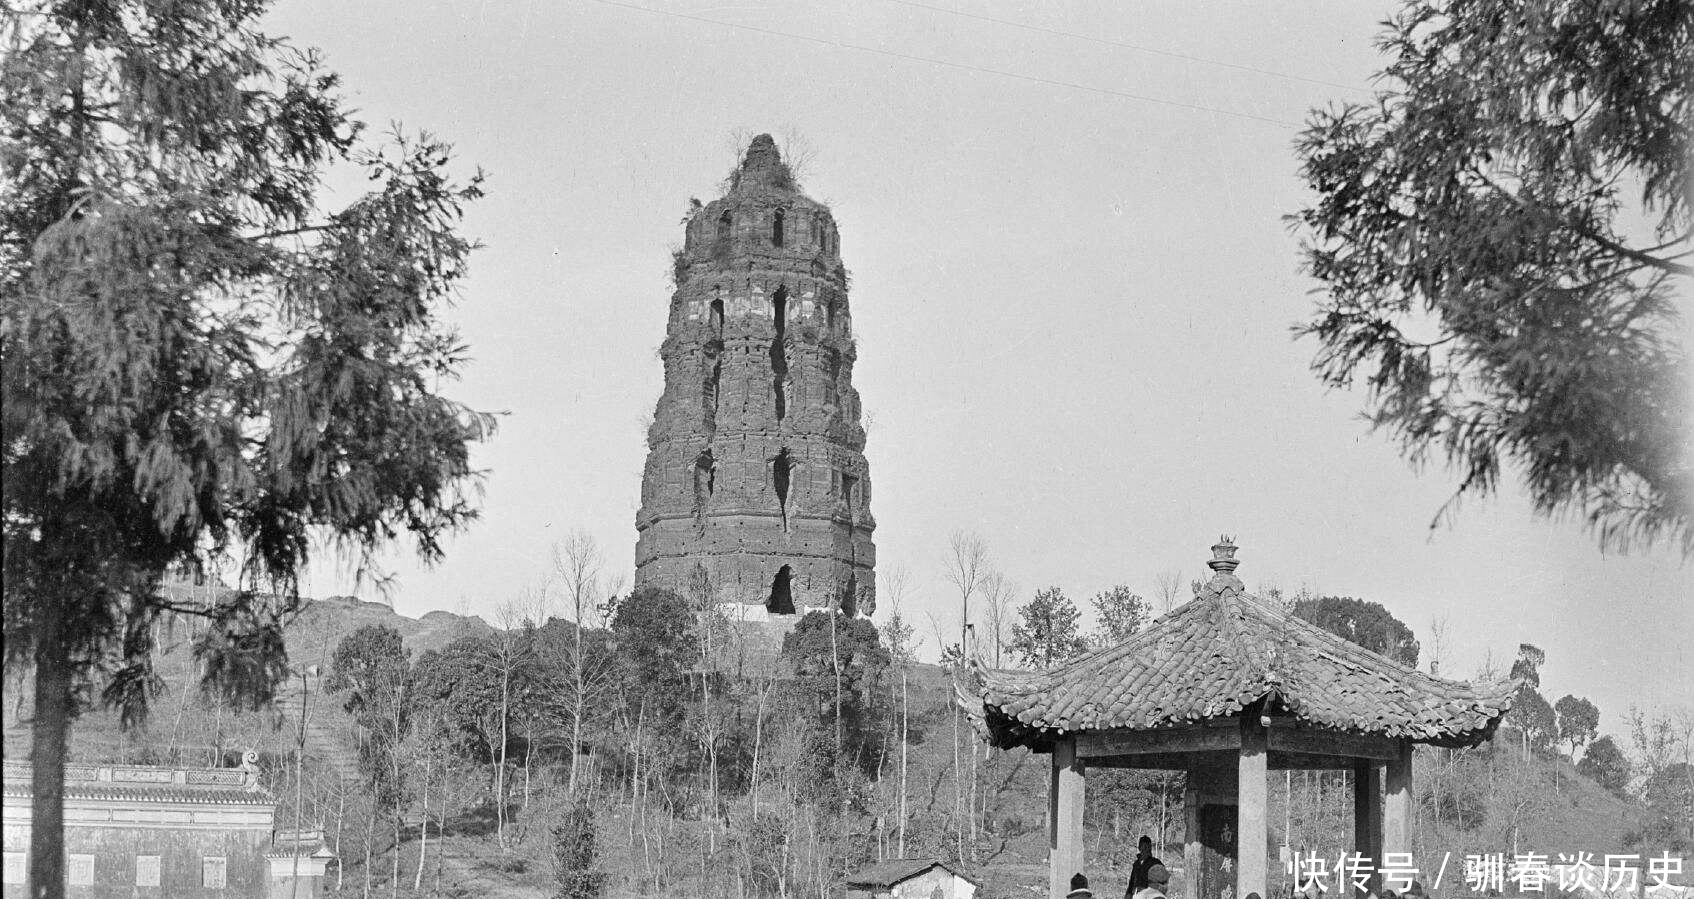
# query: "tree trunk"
x,y
441,826
189,665
370,831
49,736
905,737
1164,807
958,791
835,663
971,808
528,756
758,737
299,780
423,831
709,734
840,750
500,772
576,712
394,864
340,819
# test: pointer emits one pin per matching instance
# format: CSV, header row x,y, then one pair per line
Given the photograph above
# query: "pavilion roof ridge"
x,y
1352,653
1216,655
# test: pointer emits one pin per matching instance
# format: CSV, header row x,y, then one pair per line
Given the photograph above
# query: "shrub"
x,y
574,854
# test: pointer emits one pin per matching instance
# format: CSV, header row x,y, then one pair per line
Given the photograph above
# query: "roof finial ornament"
x,y
1223,555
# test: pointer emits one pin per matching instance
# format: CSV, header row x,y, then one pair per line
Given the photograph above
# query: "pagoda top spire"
x,y
763,166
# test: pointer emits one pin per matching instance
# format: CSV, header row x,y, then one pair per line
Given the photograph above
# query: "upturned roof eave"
x,y
1010,704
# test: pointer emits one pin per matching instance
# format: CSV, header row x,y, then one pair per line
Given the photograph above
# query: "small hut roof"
x,y
889,872
1221,652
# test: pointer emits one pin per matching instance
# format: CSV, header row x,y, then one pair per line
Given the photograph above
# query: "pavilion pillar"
x,y
1397,803
1367,822
1066,793
1193,851
1252,863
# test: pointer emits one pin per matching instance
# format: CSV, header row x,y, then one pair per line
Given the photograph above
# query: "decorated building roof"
x,y
1221,652
150,784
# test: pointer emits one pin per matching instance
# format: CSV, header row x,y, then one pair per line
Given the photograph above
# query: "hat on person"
x,y
1158,874
1079,887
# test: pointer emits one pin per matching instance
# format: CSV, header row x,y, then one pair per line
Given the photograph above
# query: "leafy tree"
x,y
1048,632
457,687
1366,623
655,636
1532,716
1498,233
1527,666
1579,721
1605,764
367,665
1669,797
202,368
1122,614
845,653
371,666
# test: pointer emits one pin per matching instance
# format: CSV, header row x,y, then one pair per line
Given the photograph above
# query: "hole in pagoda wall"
x,y
779,352
714,381
781,468
705,484
781,601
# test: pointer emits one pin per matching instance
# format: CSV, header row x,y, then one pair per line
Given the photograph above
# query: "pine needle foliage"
x,y
205,369
1501,236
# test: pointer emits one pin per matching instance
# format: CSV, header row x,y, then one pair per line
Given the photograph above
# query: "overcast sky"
x,y
1072,288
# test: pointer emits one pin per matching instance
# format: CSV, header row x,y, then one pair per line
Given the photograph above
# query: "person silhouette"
x,y
1158,878
1144,860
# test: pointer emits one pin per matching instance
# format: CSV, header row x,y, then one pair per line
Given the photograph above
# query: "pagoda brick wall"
x,y
755,463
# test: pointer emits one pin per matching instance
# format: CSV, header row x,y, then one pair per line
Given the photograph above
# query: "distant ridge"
x,y
310,638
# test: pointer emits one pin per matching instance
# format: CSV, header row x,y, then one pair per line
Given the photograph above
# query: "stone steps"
x,y
327,740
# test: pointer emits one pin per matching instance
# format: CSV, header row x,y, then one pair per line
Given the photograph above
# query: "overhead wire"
x,y
1128,46
912,57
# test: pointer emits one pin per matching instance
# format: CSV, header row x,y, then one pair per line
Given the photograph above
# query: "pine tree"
x,y
203,369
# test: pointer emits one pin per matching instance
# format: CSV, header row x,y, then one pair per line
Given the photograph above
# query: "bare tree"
x,y
1168,586
577,562
711,621
999,594
510,652
967,570
798,152
904,651
1437,643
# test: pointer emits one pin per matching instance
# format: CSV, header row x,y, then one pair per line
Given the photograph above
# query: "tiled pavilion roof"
x,y
1214,656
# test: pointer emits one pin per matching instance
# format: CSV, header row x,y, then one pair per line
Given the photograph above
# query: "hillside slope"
x,y
186,727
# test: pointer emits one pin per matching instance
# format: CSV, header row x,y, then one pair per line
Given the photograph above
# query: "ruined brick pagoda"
x,y
756,490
